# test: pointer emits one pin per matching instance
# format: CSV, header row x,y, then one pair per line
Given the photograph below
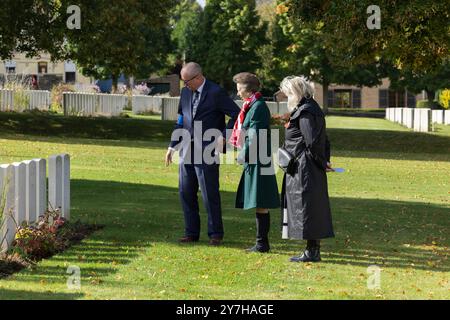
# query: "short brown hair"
x,y
249,80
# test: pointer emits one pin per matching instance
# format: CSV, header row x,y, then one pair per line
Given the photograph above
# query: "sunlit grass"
x,y
390,209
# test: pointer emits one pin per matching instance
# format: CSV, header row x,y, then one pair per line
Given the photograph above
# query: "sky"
x,y
202,2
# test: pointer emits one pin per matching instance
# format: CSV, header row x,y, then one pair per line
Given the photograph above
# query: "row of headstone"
x,y
440,116
11,100
143,104
23,193
418,119
92,104
170,108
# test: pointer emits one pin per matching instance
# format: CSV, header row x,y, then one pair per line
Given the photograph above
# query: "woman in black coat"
x,y
305,202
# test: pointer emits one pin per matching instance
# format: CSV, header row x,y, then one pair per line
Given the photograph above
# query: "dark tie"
x,y
195,102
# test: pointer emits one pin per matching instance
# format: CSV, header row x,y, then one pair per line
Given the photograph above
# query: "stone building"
x,y
382,96
48,73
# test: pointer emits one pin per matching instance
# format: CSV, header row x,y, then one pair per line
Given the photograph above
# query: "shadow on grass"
x,y
9,294
139,217
368,231
137,133
384,144
46,125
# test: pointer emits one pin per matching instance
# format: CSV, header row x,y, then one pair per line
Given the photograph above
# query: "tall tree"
x,y
229,35
430,81
311,56
29,26
413,35
127,37
274,54
184,21
119,37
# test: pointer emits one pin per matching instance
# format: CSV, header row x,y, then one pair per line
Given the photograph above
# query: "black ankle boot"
x,y
262,233
311,253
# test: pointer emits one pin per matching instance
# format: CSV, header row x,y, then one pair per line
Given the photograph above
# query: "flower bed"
x,y
52,234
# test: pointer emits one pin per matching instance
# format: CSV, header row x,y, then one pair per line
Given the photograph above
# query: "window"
x,y
411,100
42,67
70,77
356,98
397,99
383,97
10,70
342,98
330,98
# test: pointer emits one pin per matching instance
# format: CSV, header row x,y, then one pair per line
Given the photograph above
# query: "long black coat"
x,y
305,194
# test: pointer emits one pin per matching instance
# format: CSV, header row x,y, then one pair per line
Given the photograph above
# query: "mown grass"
x,y
390,209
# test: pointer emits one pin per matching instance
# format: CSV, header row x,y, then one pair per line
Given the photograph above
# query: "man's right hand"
x,y
169,156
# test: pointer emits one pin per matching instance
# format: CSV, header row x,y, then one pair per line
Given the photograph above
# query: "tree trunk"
x,y
430,95
325,97
114,83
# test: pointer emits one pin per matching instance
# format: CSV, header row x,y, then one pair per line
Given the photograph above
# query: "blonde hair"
x,y
297,86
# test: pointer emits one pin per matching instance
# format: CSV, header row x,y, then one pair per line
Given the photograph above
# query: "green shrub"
x,y
428,104
57,96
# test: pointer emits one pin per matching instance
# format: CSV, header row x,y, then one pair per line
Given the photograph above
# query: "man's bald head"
x,y
192,75
191,69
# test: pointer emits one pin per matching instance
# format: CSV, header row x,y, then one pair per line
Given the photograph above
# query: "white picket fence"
x,y
11,100
418,119
92,104
23,187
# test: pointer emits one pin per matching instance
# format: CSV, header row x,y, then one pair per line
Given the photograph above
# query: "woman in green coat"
x,y
258,185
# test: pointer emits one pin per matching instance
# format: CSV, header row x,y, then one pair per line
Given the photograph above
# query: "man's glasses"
x,y
187,81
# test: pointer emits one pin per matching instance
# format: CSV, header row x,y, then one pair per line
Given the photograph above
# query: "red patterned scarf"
x,y
236,138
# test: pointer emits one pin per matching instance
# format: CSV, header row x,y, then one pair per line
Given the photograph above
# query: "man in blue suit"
x,y
203,106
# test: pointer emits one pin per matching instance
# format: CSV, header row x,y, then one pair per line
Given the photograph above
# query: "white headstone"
x,y
31,191
437,116
65,209
55,182
398,115
7,194
408,117
417,117
41,186
425,120
447,117
21,191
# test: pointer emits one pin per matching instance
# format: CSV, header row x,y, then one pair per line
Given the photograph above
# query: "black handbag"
x,y
286,161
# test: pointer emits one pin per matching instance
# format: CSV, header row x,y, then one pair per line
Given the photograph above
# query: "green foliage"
x,y
428,104
184,21
21,100
56,96
229,35
430,81
127,37
31,26
414,35
310,54
378,209
274,56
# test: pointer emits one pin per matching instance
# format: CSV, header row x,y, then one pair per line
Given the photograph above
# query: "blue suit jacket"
x,y
213,106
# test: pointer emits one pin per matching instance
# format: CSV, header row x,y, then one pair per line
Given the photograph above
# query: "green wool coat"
x,y
257,190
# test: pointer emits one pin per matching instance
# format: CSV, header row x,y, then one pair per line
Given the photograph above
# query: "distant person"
x,y
305,190
258,185
205,103
34,82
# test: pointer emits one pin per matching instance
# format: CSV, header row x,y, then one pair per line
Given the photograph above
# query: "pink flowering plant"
x,y
141,89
